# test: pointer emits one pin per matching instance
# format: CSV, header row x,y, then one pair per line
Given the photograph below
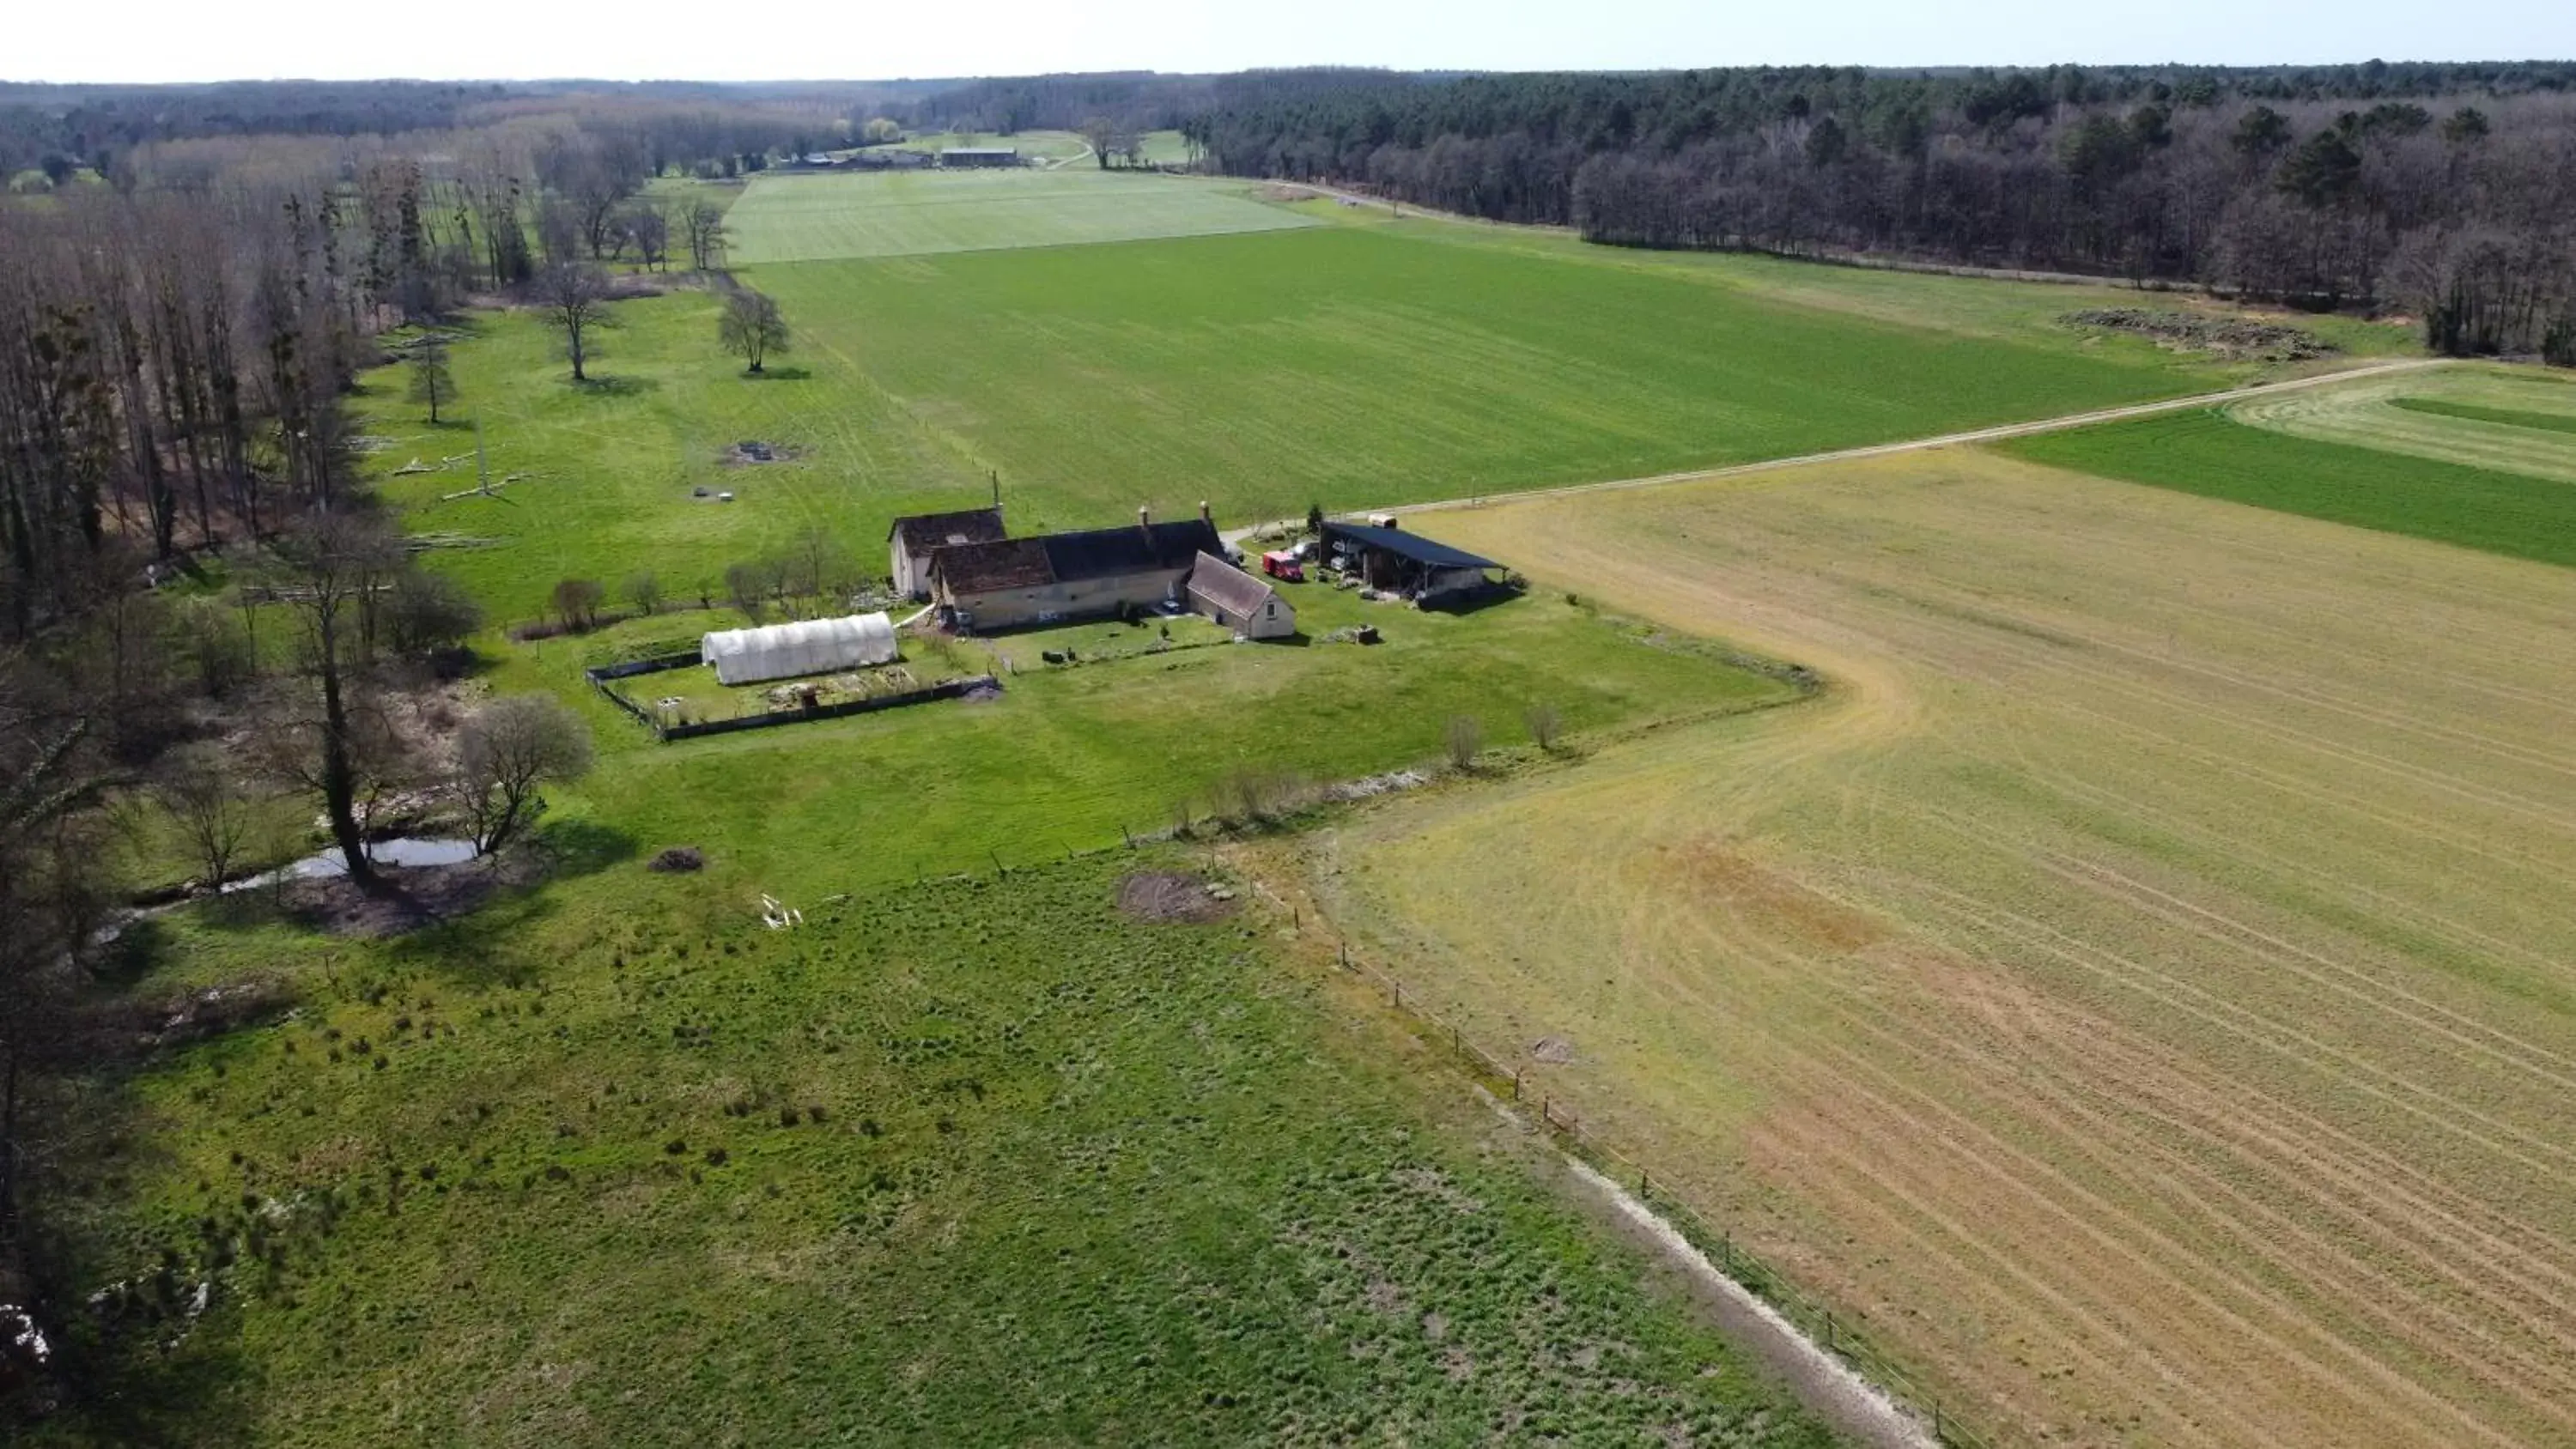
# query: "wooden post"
x,y
1936,1421
1726,1250
1516,1084
1829,1330
1342,954
1644,1186
1125,835
998,867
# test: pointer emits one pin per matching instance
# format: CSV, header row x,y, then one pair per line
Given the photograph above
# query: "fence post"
x,y
1123,834
1936,1421
1342,954
1516,1084
1829,1330
1397,988
1645,1184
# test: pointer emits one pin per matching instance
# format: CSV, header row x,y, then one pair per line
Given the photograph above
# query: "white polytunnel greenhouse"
x,y
809,646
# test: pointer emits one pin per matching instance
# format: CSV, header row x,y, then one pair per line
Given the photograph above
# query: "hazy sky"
x,y
161,40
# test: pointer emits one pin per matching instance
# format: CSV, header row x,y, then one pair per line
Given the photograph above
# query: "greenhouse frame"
x,y
808,646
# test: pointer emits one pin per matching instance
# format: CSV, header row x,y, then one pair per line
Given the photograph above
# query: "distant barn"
x,y
980,156
1392,561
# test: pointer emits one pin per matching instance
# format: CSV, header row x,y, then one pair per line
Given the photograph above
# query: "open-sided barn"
x,y
1393,561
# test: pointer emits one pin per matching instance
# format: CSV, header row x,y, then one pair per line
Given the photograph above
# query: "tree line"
x,y
2449,191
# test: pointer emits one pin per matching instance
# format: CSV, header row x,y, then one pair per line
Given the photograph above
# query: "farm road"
x,y
1969,438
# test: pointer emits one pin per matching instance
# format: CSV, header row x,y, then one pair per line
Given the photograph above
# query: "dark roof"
x,y
922,532
1408,545
1228,587
1002,563
1101,553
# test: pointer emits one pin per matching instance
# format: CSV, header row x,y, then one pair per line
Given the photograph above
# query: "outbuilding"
x,y
913,537
1238,601
808,646
957,156
1390,560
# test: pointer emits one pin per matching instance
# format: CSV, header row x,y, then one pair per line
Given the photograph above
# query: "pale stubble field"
x,y
2137,991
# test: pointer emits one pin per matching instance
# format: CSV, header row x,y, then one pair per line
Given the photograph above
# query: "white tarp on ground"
x,y
809,646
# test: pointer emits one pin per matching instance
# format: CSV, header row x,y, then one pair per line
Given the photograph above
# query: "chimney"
x,y
1204,516
1144,520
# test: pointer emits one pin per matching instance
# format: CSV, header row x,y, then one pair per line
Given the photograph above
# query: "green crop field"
x,y
984,1161
2518,514
818,217
1349,365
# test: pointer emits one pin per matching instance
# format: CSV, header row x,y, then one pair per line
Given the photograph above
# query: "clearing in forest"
x,y
813,217
2136,993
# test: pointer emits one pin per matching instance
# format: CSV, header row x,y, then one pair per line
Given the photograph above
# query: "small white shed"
x,y
808,646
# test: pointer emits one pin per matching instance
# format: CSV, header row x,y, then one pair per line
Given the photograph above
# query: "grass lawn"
x,y
1070,758
2474,412
2208,453
796,218
978,1161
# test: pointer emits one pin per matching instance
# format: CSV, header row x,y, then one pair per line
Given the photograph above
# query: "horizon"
x,y
308,40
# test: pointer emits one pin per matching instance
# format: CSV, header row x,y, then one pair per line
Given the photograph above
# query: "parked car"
x,y
1282,564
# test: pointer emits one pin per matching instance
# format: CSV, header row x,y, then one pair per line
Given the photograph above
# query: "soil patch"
x,y
751,452
1556,1051
1165,896
678,858
2192,332
410,898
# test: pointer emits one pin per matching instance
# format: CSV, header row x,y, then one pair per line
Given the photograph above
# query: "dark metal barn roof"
x,y
1424,551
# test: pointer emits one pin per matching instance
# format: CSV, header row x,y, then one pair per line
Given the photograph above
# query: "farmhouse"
x,y
913,537
1388,559
980,156
1005,583
1239,601
808,646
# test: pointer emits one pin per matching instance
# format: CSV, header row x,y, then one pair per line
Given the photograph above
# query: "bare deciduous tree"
x,y
511,747
750,327
746,584
702,224
206,802
644,591
431,383
577,602
574,297
335,743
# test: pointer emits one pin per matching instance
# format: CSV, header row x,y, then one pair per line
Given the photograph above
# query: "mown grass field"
x,y
816,217
981,1161
1351,365
2139,994
2360,455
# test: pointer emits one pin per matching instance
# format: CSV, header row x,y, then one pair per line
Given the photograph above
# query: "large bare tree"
x,y
332,738
574,298
750,327
504,754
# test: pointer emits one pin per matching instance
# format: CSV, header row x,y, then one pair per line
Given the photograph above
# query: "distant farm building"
x,y
1011,582
912,539
808,646
1238,601
980,156
1388,559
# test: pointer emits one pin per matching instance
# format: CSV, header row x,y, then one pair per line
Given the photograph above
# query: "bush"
x,y
1543,725
678,858
1464,739
426,612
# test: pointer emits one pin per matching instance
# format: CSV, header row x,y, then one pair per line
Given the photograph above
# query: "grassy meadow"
x,y
2137,995
975,1161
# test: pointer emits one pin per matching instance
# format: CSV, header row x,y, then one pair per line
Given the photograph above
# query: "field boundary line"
x,y
2000,432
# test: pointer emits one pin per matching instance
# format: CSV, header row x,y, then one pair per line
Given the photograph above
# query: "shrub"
x,y
1464,739
1543,725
